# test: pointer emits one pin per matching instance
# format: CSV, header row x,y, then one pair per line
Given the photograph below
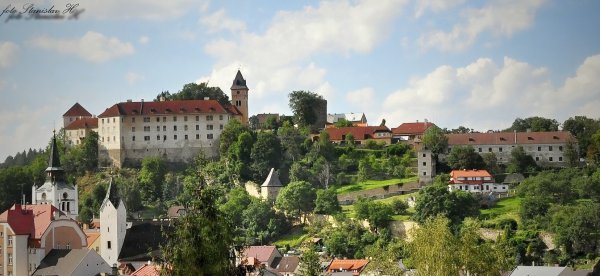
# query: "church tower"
x,y
239,96
55,190
113,225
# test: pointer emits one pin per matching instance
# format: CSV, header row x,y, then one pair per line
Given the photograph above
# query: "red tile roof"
x,y
261,253
30,220
510,138
147,270
455,174
347,265
83,123
76,111
168,108
359,133
412,128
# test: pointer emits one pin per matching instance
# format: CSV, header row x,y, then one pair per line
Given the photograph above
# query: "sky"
x,y
478,64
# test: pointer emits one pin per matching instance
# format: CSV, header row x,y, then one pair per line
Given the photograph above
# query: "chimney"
x,y
206,98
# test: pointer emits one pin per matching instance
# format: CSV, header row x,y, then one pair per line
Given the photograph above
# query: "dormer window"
x,y
471,139
529,138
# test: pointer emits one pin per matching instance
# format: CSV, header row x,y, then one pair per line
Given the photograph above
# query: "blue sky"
x,y
479,64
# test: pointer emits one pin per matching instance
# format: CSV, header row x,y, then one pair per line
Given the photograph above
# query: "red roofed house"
x,y
75,112
475,181
411,133
175,130
546,148
29,232
148,269
264,254
354,266
79,129
360,134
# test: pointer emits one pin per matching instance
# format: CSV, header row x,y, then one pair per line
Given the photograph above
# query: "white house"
x,y
113,225
475,181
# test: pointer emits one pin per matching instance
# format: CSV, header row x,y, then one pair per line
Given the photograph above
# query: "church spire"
x,y
239,82
54,171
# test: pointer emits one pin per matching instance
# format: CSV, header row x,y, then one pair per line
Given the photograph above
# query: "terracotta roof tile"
x,y
359,132
168,108
455,174
510,138
77,110
83,123
348,265
147,270
261,253
30,220
412,128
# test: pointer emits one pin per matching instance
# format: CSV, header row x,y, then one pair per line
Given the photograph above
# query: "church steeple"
x,y
54,172
239,82
239,96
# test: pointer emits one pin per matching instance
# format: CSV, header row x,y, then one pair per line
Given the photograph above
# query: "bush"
x,y
399,206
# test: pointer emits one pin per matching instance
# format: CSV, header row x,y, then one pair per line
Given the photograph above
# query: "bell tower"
x,y
239,96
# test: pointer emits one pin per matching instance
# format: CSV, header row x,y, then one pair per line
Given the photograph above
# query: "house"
x,y
264,117
175,130
263,254
113,216
56,190
355,266
361,134
29,232
475,181
548,271
547,148
72,262
270,188
287,265
74,113
79,129
357,119
148,269
411,133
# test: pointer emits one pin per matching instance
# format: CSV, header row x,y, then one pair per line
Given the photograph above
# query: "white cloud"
x,y
485,95
133,77
281,59
421,6
218,21
362,97
144,39
501,18
92,46
9,52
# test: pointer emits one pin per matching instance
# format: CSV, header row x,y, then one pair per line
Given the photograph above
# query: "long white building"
x,y
174,130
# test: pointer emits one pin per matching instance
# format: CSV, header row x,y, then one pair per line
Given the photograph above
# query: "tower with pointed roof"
x,y
74,113
55,190
239,96
270,188
113,225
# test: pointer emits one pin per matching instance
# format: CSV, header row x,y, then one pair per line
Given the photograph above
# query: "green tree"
x,y
435,140
343,123
491,163
399,206
296,199
291,140
303,103
576,227
465,157
437,200
266,154
151,178
261,223
378,214
229,135
582,128
571,154
195,91
433,249
309,263
200,242
237,201
326,202
593,150
520,161
534,124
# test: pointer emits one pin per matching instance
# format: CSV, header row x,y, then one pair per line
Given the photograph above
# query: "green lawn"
x,y
506,208
292,239
373,184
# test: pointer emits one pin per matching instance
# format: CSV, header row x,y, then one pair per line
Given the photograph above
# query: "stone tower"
x,y
239,96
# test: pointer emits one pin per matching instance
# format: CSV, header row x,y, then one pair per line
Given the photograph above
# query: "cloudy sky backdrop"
x,y
479,64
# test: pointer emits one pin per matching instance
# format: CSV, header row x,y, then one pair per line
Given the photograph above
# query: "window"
x,y
550,148
133,119
158,119
157,137
424,163
489,149
424,173
424,155
221,117
10,240
164,128
560,148
185,137
174,128
103,121
197,118
146,119
164,137
146,138
550,158
9,259
197,136
537,158
157,128
147,128
479,149
500,149
221,127
185,118
560,158
185,128
113,120
68,246
132,138
238,103
174,137
539,148
132,129
164,119
209,117
197,127
209,127
174,118
209,136
108,245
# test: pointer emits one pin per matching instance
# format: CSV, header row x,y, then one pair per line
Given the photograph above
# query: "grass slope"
x,y
373,184
506,208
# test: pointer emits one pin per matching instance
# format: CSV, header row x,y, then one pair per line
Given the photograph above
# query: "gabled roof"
x,y
510,138
32,220
66,261
412,128
91,237
239,82
77,111
455,174
347,265
286,264
261,253
272,179
83,123
359,132
548,271
167,108
147,270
